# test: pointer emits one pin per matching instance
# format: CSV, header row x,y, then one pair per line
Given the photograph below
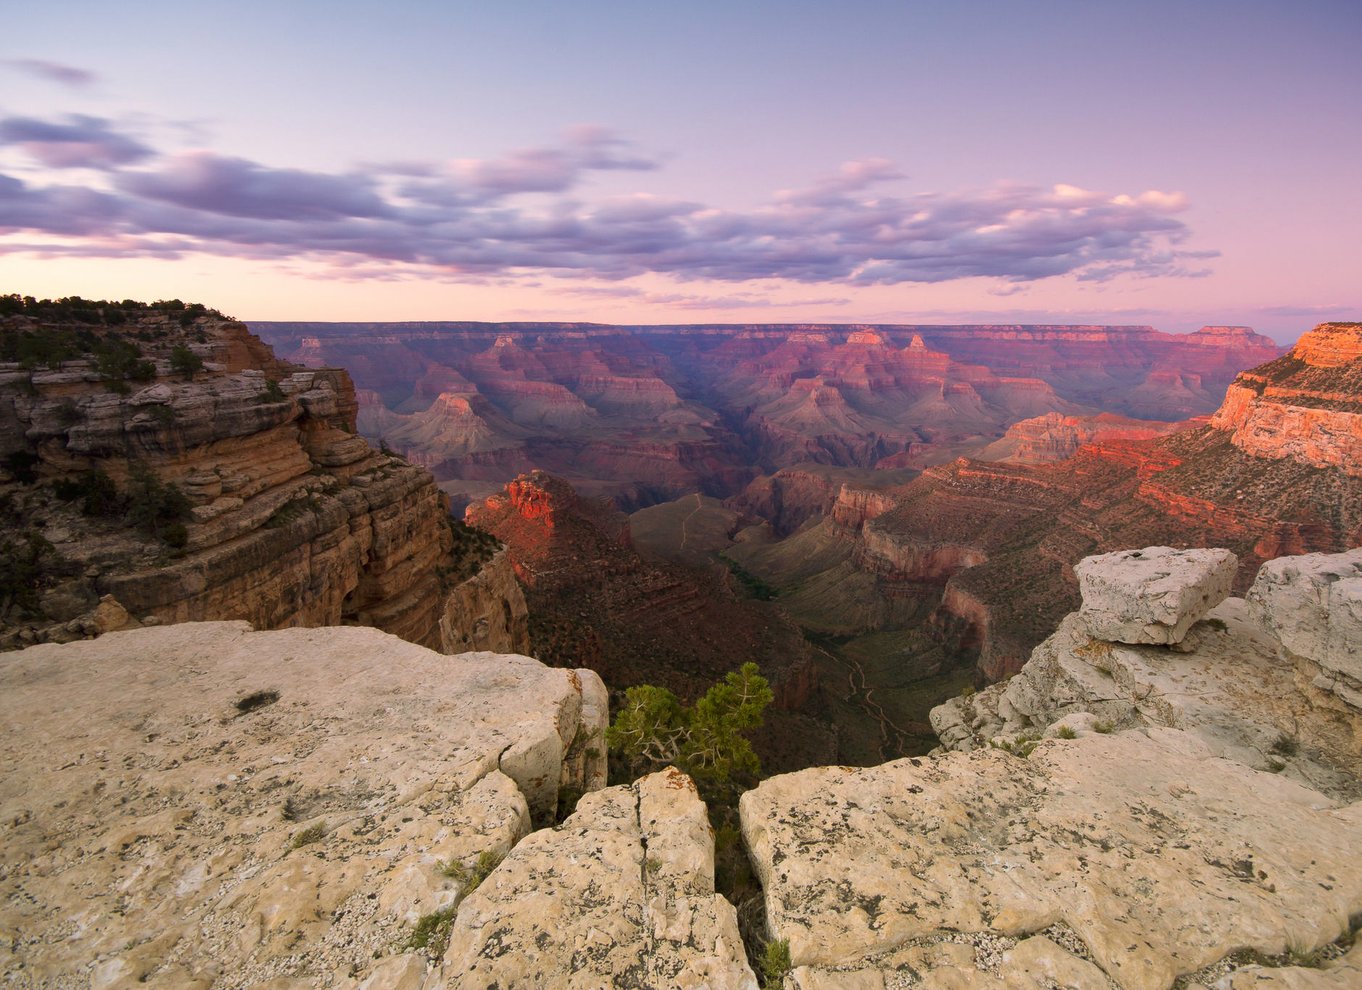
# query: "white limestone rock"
x,y
1230,688
1313,603
1151,856
1152,595
159,829
620,895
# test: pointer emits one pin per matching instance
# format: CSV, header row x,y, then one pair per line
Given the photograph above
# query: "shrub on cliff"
x,y
707,740
28,565
185,362
157,508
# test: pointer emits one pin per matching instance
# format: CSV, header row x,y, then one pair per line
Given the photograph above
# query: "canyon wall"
x,y
235,489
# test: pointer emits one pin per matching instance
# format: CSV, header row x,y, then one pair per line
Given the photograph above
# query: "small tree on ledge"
x,y
653,730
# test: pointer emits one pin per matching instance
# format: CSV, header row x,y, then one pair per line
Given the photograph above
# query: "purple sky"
x,y
1162,162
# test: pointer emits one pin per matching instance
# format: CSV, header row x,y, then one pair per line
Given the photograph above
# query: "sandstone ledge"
x,y
156,829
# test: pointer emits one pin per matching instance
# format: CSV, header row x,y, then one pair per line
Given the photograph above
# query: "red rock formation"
x,y
1263,479
1306,406
1055,437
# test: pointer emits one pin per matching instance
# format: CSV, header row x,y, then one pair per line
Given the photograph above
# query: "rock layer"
x,y
293,520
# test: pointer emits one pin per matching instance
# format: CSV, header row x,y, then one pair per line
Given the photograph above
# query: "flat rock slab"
x,y
1152,595
620,895
201,805
1139,854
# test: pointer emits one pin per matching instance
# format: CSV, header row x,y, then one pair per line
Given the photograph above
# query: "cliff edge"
x,y
168,468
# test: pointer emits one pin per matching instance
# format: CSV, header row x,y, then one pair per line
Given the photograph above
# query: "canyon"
x,y
257,499
1161,788
650,413
987,547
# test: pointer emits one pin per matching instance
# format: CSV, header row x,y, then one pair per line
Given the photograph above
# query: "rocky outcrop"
x,y
284,516
1125,860
620,895
201,805
1151,595
1314,605
486,610
1305,406
1132,816
1269,680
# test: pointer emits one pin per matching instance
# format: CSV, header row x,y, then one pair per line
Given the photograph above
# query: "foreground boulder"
x,y
620,895
1136,857
1151,595
201,805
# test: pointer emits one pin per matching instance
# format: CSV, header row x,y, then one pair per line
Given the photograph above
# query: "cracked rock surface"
x,y
201,805
620,895
1158,857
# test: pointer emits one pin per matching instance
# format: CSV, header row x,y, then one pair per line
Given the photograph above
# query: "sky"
x,y
1016,161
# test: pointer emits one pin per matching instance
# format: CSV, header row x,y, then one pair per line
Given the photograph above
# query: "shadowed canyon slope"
x,y
595,602
647,413
160,467
992,545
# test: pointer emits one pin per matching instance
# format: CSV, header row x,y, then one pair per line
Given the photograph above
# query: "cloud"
x,y
67,75
79,141
200,180
550,169
524,216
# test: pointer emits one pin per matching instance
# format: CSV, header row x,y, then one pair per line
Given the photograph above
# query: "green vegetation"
x,y
1024,745
775,962
96,492
471,879
185,362
28,565
1286,745
470,548
431,934
153,507
157,508
1106,728
23,464
309,835
100,312
754,586
119,361
706,740
1065,732
271,393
